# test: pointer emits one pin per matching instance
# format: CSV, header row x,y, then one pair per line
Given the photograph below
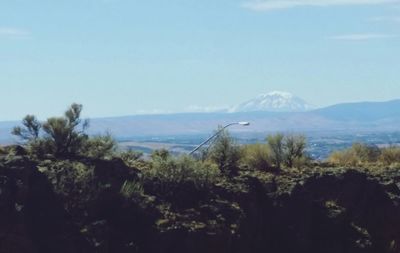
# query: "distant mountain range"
x,y
362,112
276,101
365,116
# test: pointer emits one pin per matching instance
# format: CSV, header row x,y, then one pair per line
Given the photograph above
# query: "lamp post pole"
x,y
243,123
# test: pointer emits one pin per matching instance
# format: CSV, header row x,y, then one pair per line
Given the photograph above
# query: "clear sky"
x,y
120,57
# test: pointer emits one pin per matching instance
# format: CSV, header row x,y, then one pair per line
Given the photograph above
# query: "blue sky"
x,y
121,57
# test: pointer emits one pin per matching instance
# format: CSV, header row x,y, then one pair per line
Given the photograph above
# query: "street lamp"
x,y
242,123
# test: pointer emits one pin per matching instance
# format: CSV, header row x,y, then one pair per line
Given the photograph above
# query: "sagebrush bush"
x,y
30,129
302,162
70,179
40,147
132,158
63,133
390,155
225,153
2,151
63,136
275,144
160,154
131,189
294,150
257,156
287,150
344,158
101,146
366,153
362,154
178,170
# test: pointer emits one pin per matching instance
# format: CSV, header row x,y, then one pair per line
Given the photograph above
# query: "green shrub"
x,y
63,136
344,158
131,189
73,180
130,157
2,151
358,154
275,144
161,153
134,159
287,150
30,129
366,153
40,147
63,133
390,155
101,146
257,156
294,150
174,171
301,162
225,153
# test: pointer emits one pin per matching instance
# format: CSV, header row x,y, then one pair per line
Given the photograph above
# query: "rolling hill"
x,y
364,116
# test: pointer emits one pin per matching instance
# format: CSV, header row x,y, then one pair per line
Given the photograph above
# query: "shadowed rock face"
x,y
333,213
41,210
348,211
31,216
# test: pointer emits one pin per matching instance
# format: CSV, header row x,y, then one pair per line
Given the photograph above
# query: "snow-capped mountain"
x,y
276,101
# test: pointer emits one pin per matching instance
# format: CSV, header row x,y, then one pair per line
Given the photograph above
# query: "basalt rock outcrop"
x,y
76,206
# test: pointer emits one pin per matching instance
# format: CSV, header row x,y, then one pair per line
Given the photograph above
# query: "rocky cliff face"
x,y
326,210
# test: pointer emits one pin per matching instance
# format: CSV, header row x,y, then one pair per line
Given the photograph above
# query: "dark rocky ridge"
x,y
320,210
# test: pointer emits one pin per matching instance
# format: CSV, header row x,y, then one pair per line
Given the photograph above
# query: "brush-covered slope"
x,y
82,205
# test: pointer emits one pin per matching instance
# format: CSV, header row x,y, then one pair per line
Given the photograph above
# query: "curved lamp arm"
x,y
242,123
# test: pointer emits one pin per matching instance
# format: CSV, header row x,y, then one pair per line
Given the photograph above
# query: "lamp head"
x,y
244,123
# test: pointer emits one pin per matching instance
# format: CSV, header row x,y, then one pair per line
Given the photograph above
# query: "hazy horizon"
x,y
187,110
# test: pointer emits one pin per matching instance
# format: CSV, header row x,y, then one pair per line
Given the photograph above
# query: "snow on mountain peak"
x,y
283,94
275,101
